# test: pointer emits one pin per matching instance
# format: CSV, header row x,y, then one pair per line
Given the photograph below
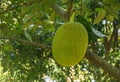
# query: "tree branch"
x,y
108,68
26,42
68,12
60,11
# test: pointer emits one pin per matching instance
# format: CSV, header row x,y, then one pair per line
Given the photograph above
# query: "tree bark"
x,y
108,68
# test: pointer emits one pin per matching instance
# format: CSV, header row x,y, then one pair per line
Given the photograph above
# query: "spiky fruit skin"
x,y
70,43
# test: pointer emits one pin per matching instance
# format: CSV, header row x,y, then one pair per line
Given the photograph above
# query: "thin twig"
x,y
81,8
17,6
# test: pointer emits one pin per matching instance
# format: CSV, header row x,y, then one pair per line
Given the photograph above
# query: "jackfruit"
x,y
70,43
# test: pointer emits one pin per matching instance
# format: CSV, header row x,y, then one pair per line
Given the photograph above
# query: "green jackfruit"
x,y
70,43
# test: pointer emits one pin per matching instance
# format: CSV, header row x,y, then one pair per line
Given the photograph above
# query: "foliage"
x,y
27,28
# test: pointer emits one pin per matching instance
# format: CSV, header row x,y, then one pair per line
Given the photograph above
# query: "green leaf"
x,y
27,35
27,18
8,48
85,22
110,10
98,33
86,1
110,1
100,16
110,18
